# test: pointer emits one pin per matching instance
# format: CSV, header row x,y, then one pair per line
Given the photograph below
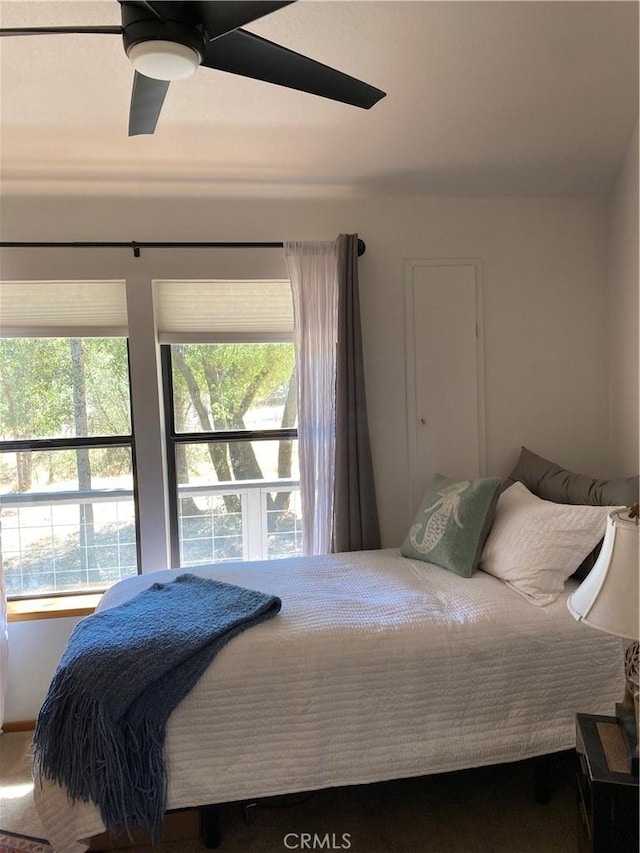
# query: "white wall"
x,y
544,274
623,317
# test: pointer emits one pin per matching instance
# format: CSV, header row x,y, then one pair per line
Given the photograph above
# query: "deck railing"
x,y
86,539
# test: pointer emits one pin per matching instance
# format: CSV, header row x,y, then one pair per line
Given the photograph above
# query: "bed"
x,y
377,667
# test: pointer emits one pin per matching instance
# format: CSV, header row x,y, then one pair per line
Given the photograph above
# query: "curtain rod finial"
x,y
362,248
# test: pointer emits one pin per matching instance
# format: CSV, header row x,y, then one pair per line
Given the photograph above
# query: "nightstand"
x,y
607,792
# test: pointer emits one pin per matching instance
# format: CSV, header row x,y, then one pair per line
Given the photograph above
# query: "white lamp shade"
x,y
608,597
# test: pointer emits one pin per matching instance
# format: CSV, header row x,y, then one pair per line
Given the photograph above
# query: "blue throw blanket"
x,y
101,730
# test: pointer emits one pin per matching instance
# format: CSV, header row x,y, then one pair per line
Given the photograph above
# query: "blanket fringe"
x,y
112,761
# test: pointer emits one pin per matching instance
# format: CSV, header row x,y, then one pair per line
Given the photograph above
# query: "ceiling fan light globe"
x,y
164,60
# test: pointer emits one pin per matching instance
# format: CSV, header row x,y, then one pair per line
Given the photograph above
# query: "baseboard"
x,y
19,726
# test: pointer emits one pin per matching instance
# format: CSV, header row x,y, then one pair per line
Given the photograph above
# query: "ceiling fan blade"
x,y
224,16
144,4
166,10
243,53
147,98
45,31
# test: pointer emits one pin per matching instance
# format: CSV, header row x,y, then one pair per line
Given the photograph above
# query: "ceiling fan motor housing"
x,y
141,28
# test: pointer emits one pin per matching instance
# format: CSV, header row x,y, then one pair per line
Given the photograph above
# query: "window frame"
x,y
91,443
173,439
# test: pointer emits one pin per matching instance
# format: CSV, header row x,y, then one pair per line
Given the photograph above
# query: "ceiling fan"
x,y
168,41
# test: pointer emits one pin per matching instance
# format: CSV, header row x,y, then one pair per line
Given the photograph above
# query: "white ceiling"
x,y
483,98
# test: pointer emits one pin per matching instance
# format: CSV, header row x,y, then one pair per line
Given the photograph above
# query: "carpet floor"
x,y
484,810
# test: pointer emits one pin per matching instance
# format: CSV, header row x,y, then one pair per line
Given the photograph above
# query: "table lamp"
x,y
608,600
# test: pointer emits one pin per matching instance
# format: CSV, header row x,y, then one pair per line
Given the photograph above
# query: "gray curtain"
x,y
355,512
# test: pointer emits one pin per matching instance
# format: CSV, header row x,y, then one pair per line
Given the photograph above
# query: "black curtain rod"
x,y
135,246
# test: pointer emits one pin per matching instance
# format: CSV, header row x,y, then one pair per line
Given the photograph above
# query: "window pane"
x,y
68,519
63,387
219,387
238,500
211,528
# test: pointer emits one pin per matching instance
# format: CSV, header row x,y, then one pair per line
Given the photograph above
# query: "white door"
x,y
445,375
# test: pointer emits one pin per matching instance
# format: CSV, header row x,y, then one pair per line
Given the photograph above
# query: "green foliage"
x,y
230,380
37,401
107,385
36,387
35,397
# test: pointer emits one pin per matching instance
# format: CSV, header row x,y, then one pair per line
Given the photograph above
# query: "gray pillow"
x,y
452,523
551,482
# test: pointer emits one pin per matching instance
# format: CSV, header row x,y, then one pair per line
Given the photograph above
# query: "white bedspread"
x,y
378,667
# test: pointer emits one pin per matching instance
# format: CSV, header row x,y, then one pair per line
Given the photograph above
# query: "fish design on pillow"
x,y
445,508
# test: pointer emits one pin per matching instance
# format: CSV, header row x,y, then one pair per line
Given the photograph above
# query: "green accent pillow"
x,y
452,523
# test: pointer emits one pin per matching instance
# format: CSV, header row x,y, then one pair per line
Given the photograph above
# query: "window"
x,y
231,421
67,505
216,476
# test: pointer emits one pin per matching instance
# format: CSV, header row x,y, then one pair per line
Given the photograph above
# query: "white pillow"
x,y
535,545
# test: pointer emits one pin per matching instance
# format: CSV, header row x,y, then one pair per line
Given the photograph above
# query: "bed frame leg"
x,y
247,811
210,832
543,779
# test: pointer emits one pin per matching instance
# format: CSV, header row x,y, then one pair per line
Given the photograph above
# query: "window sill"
x,y
27,609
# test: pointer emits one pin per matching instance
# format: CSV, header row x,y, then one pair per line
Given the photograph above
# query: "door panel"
x,y
445,377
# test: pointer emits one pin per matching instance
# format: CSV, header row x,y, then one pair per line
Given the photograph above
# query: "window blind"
x,y
224,311
63,309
